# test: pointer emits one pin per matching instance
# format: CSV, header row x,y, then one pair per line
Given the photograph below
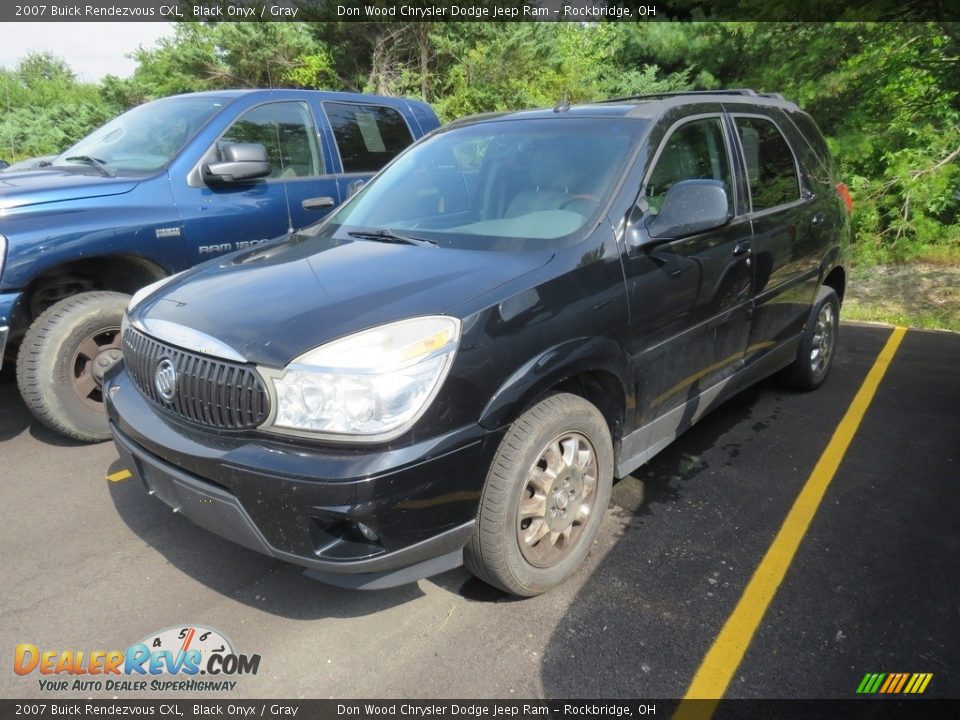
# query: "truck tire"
x,y
544,498
818,344
62,360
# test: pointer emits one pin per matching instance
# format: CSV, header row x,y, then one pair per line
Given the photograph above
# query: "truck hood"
x,y
32,187
277,302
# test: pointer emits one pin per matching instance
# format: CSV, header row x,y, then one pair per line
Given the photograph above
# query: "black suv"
x,y
455,365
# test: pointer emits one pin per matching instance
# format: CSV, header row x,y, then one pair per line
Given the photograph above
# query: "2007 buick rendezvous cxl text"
x,y
455,365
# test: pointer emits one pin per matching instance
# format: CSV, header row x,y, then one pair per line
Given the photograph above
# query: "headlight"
x,y
372,385
3,253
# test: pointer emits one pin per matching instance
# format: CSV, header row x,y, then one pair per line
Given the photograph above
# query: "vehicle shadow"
x,y
625,633
15,417
269,585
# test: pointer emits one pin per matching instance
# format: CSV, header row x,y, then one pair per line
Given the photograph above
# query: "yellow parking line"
x,y
725,655
119,475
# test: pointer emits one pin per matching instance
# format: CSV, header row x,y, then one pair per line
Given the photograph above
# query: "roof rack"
x,y
653,96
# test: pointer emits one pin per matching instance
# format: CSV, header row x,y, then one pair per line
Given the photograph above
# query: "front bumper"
x,y
8,305
4,331
301,502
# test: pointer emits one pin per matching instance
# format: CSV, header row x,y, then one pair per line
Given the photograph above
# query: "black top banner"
x,y
478,10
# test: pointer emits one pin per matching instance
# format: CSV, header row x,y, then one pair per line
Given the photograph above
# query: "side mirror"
x,y
690,207
241,162
355,187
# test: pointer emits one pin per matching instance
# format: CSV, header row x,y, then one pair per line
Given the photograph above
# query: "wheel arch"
x,y
837,279
116,273
832,272
591,368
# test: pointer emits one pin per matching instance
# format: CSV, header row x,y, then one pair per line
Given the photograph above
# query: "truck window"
x,y
368,136
287,131
146,138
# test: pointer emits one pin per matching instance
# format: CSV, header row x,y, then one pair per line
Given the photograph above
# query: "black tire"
x,y
54,367
494,553
818,344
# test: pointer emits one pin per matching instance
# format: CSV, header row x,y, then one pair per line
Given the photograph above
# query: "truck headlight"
x,y
372,385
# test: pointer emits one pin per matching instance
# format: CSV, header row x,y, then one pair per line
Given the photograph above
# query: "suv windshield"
x,y
144,139
501,185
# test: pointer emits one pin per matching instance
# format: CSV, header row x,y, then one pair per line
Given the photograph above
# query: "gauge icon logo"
x,y
182,639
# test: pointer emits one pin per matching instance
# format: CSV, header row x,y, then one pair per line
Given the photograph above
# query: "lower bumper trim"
x,y
390,578
217,510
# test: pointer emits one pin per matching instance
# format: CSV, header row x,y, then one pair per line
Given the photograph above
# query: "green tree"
x,y
232,55
47,109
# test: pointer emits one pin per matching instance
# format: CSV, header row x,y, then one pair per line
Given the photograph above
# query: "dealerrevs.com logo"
x,y
171,659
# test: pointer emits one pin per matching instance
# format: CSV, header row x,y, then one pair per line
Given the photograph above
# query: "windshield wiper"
x,y
92,162
384,235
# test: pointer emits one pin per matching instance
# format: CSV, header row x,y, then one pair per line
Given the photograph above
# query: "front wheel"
x,y
62,360
544,498
817,345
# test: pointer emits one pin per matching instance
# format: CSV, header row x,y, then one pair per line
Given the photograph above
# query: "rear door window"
x,y
368,136
771,168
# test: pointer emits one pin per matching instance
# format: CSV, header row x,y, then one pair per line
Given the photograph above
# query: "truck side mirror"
x,y
690,207
241,162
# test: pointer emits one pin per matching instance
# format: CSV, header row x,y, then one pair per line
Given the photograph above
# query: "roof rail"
x,y
676,93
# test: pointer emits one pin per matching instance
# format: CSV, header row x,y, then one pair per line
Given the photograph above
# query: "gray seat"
x,y
552,178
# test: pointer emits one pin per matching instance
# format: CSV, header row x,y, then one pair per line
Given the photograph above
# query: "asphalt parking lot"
x,y
873,587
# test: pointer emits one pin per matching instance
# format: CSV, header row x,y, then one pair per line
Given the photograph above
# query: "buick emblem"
x,y
166,379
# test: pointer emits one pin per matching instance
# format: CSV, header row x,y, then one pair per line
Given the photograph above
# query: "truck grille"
x,y
208,391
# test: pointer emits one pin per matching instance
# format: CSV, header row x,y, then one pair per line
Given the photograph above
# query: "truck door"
x,y
219,219
367,137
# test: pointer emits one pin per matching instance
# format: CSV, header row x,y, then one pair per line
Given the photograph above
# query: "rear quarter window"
x,y
811,134
367,136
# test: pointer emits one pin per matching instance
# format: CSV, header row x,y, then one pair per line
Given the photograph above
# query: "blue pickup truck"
x,y
162,187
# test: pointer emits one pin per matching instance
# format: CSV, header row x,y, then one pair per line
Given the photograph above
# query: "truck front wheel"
x,y
63,358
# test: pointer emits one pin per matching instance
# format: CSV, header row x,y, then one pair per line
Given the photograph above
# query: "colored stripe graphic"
x,y
894,683
891,680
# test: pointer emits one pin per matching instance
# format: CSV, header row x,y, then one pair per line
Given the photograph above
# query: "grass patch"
x,y
918,293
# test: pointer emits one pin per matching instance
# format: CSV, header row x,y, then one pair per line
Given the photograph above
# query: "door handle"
x,y
318,203
741,248
817,219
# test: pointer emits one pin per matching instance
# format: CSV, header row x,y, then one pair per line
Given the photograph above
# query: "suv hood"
x,y
32,187
277,302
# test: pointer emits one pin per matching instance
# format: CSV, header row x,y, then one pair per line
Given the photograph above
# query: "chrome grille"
x,y
213,392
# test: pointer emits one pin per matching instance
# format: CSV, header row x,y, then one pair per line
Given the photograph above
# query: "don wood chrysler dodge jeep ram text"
x,y
454,365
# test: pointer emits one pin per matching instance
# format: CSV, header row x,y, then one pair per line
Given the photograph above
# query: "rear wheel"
x,y
63,358
544,498
818,344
